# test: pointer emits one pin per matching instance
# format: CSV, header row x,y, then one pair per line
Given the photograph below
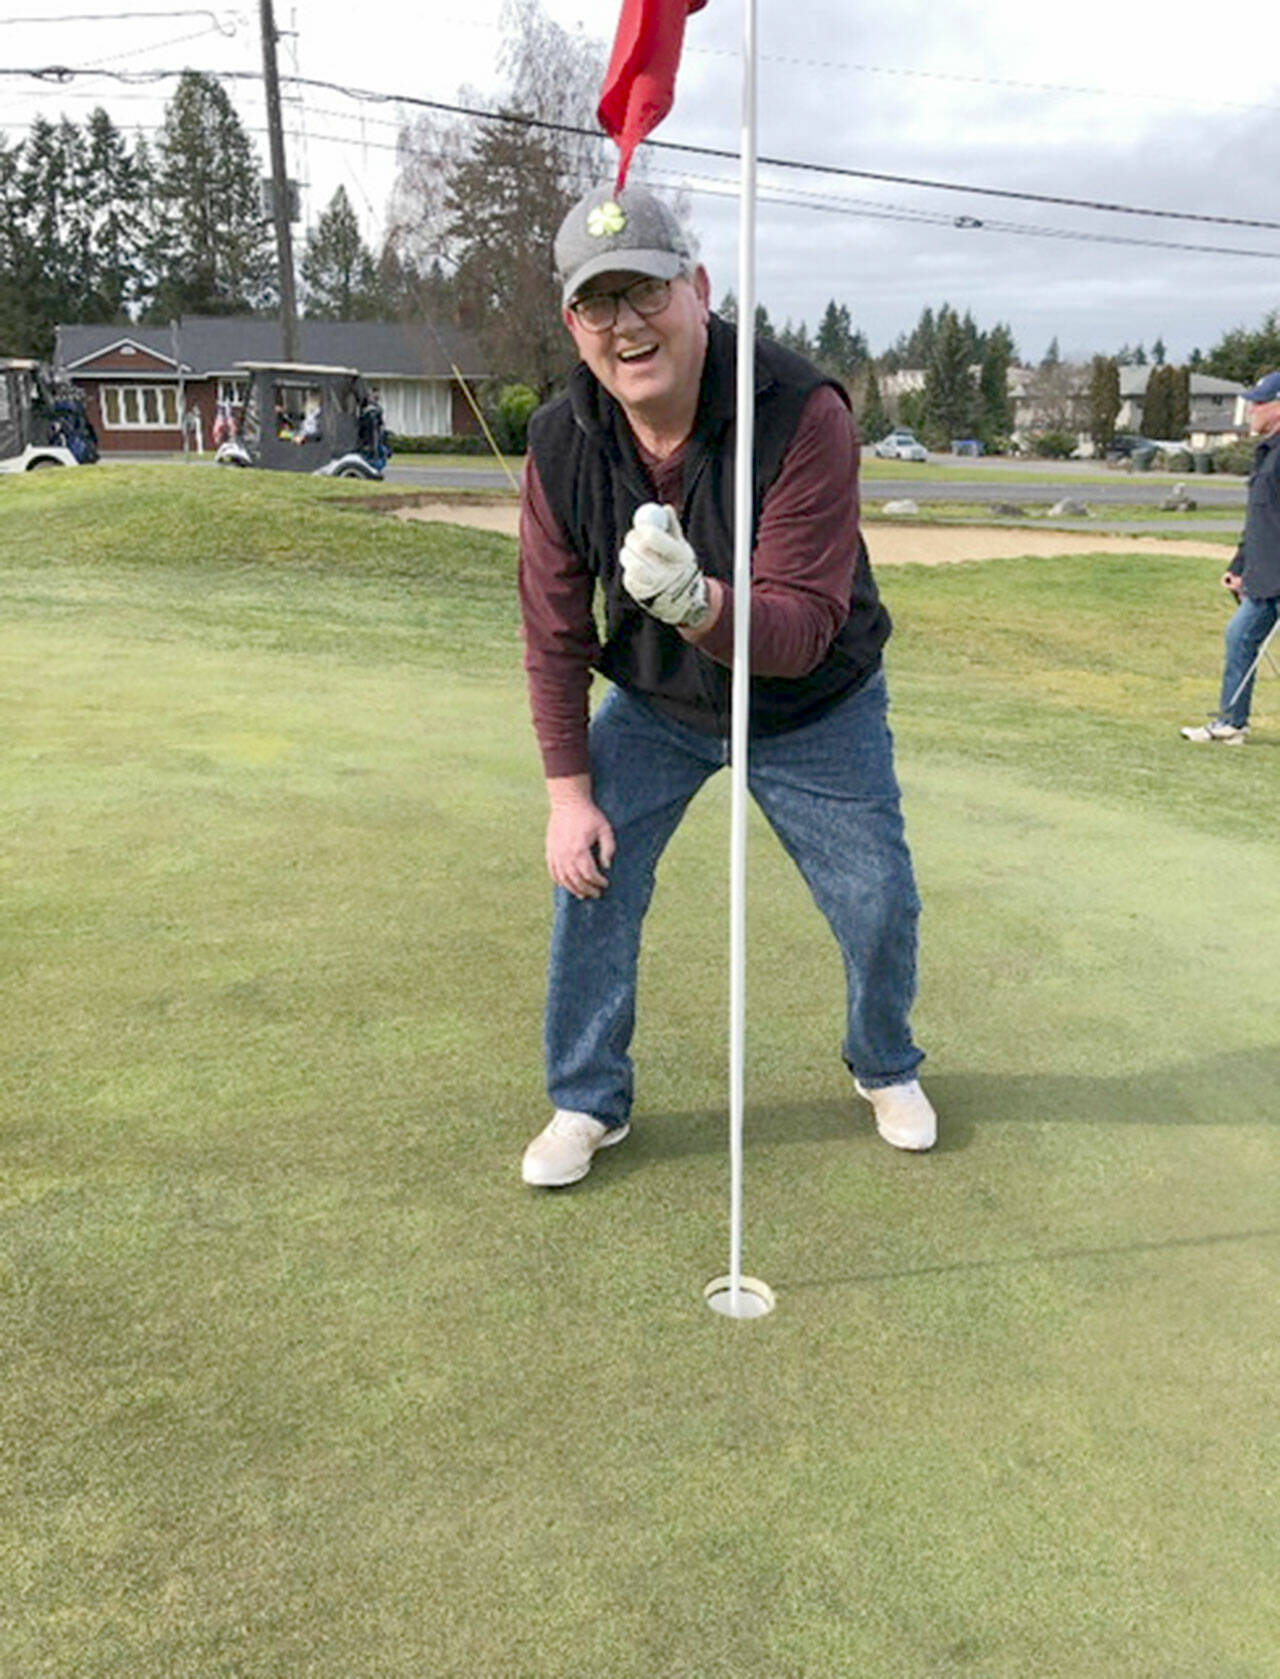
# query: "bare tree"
x,y
478,201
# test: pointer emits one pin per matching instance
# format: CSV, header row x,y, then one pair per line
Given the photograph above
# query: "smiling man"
x,y
628,503
1253,576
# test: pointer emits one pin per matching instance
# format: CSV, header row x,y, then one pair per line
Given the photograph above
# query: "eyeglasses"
x,y
598,310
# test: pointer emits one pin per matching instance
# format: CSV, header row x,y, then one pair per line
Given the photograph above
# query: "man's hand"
x,y
660,570
1232,581
580,842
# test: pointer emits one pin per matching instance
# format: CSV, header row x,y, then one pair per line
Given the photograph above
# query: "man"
x,y
648,423
1253,576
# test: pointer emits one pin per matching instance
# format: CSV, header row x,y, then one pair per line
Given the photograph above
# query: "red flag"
x,y
640,84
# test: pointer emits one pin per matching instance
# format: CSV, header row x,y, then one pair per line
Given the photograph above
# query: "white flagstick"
x,y
742,1297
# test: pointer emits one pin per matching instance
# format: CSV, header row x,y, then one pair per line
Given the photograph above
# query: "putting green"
x,y
301,1380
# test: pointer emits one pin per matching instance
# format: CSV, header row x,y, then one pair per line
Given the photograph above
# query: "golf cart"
x,y
299,418
40,424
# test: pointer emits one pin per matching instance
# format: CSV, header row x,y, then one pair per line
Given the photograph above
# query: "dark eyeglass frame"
x,y
659,296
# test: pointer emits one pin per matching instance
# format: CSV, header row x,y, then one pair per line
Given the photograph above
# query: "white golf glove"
x,y
660,570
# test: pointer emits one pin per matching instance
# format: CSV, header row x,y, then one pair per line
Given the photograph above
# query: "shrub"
x,y
467,444
1233,457
1053,445
509,417
1175,460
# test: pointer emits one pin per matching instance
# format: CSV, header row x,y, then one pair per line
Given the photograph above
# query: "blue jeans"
x,y
1248,628
829,792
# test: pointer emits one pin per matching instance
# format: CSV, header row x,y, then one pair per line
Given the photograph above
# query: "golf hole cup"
x,y
754,1298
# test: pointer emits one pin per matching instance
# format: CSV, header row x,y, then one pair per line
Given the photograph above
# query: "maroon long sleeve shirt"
x,y
801,576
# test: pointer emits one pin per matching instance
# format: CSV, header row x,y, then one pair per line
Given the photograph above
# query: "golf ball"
x,y
651,513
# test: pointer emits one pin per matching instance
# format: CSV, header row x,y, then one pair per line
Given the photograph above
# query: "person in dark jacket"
x,y
627,512
1253,576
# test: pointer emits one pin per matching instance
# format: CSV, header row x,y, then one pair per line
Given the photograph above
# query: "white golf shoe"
x,y
904,1114
1226,733
561,1154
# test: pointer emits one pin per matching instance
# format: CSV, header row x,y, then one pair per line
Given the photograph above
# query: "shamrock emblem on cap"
x,y
605,219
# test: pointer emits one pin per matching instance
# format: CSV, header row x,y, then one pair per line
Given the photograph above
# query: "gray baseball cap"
x,y
630,231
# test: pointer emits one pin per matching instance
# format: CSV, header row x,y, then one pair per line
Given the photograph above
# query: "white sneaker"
x,y
904,1114
562,1152
1226,733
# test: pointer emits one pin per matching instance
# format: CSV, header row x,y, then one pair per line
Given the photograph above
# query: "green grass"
x,y
298,1379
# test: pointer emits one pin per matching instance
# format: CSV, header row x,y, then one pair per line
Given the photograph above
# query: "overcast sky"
x,y
1149,107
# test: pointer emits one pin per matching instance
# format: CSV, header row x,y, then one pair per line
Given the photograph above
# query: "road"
x,y
1036,485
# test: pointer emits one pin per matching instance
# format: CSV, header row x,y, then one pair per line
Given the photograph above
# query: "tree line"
x,y
94,227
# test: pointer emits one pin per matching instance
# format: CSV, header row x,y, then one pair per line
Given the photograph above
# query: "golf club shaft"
x,y
1252,670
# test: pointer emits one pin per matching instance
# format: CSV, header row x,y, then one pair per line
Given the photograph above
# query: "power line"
x,y
116,17
63,73
994,81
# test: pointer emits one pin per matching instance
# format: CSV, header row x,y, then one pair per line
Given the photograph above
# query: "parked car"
x,y
300,418
901,445
41,424
1123,444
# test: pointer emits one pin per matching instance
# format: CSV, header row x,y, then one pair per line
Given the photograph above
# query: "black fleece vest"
x,y
594,481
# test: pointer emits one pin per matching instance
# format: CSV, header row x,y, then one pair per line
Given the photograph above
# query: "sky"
x,y
1149,108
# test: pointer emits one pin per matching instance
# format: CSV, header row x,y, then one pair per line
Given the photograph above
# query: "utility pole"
x,y
279,186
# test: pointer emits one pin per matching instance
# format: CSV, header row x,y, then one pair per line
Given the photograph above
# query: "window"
x,y
139,407
234,391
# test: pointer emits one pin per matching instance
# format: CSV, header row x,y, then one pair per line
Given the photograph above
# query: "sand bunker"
x,y
893,544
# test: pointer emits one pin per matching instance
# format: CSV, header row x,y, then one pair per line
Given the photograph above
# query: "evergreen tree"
x,y
828,342
1179,401
996,416
54,218
1158,352
728,307
918,350
23,328
1052,356
1157,409
213,251
764,326
950,399
875,419
912,412
117,191
70,230
1104,400
796,338
1139,357
1246,355
838,349
338,270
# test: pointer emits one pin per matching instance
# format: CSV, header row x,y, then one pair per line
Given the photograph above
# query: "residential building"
x,y
1216,414
139,381
1056,398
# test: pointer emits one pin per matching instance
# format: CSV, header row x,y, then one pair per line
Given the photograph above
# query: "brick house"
x,y
138,381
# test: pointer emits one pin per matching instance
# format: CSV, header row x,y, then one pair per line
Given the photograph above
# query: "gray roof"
x,y
1133,382
215,343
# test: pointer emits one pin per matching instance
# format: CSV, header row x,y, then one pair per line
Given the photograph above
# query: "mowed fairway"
x,y
299,1380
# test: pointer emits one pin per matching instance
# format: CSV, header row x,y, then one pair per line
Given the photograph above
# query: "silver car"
x,y
901,445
